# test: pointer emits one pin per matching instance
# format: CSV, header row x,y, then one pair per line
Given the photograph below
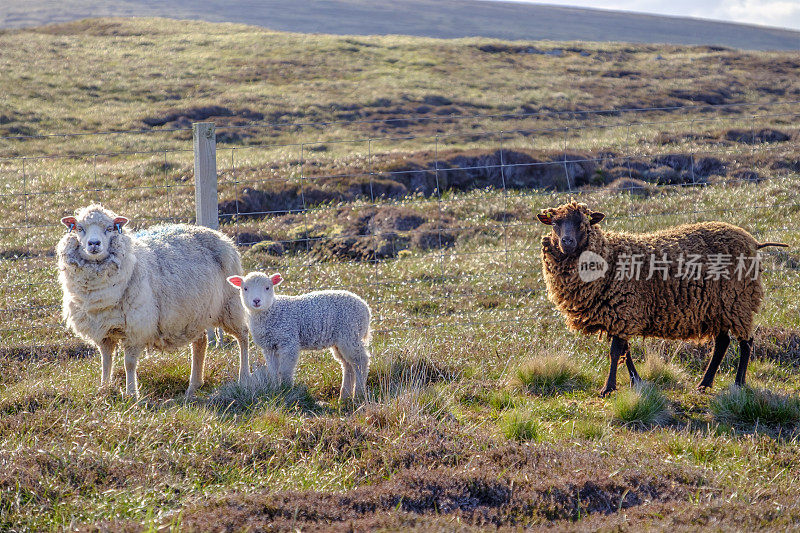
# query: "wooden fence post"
x,y
205,187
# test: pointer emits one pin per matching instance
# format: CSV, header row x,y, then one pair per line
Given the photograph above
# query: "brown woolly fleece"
x,y
675,308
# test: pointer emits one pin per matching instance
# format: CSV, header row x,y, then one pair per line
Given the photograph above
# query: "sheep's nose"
x,y
568,241
256,301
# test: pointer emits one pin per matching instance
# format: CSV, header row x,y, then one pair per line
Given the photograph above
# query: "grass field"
x,y
482,408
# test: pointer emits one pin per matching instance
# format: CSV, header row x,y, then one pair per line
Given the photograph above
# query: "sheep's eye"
x,y
110,229
268,288
80,229
245,289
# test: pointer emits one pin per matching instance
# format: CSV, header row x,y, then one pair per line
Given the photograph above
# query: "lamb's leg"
x,y
356,354
348,375
721,343
198,364
287,359
131,360
106,347
273,367
635,377
744,358
618,347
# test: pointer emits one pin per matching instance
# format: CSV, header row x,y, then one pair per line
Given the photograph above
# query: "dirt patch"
x,y
423,174
710,96
757,137
183,118
47,352
381,233
632,186
507,486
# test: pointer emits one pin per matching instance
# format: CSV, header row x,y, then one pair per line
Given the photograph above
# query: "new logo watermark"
x,y
591,266
716,267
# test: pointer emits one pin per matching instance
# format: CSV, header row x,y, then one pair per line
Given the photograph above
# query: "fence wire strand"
x,y
473,261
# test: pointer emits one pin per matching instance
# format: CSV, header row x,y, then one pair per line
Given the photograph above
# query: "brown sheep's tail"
x,y
765,244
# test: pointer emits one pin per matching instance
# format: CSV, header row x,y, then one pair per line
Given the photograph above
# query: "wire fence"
x,y
429,218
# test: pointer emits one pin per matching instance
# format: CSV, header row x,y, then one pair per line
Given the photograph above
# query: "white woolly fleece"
x,y
162,289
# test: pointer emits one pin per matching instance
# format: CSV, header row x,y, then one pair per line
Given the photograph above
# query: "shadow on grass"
x,y
260,392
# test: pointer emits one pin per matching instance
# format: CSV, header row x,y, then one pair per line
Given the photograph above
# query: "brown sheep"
x,y
694,282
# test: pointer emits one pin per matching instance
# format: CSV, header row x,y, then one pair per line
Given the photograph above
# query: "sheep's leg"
x,y
287,359
744,358
635,377
618,347
348,375
273,367
357,355
721,343
240,334
106,347
131,360
198,364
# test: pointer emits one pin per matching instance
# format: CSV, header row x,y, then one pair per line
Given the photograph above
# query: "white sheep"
x,y
283,325
161,289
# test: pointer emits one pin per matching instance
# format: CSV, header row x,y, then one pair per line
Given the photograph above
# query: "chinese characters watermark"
x,y
633,266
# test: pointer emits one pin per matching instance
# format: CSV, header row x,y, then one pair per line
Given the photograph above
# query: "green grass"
x,y
661,373
521,426
477,392
753,405
550,375
641,406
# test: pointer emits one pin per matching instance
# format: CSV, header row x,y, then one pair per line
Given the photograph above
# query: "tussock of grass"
x,y
260,391
662,373
550,375
642,406
404,390
521,426
748,405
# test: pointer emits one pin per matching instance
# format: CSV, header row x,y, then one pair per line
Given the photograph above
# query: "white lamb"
x,y
284,325
160,289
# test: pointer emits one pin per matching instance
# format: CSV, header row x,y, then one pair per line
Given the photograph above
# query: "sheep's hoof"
x,y
703,388
606,391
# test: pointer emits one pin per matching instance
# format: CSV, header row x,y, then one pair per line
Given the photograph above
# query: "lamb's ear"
x,y
236,281
596,217
545,218
276,279
69,222
119,222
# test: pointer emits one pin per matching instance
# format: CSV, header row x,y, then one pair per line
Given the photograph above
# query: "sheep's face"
x,y
257,290
571,223
94,227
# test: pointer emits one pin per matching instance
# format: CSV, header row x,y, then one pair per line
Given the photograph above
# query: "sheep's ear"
x,y
276,279
596,217
236,281
119,222
69,222
545,218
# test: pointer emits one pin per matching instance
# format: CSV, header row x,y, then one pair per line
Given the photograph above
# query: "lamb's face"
x,y
94,227
570,224
257,290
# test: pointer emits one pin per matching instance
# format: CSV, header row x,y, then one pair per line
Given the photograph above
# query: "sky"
x,y
779,13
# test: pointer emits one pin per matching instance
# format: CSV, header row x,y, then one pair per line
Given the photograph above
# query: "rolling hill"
x,y
428,18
